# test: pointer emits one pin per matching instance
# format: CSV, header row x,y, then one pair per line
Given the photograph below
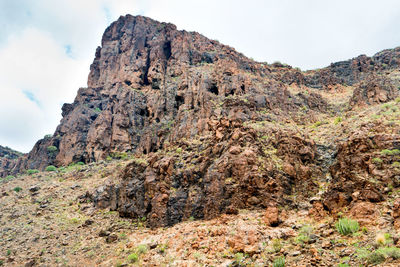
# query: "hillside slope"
x,y
207,131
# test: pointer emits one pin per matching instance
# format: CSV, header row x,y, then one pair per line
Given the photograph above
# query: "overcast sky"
x,y
46,46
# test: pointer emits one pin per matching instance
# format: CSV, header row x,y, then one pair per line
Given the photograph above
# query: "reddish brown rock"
x,y
374,90
396,213
365,213
210,128
271,216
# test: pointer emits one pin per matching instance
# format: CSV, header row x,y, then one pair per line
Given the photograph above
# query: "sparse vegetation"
x,y
9,177
375,257
51,149
276,244
317,124
388,152
17,189
133,257
337,120
346,226
279,262
141,249
51,168
274,151
32,171
118,155
239,257
304,234
377,161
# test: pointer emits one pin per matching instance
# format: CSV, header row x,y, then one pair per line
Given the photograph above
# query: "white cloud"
x,y
307,34
45,54
40,76
46,46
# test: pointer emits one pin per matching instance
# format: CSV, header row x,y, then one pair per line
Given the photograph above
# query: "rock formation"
x,y
8,158
211,129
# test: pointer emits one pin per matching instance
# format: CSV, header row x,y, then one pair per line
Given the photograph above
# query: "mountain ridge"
x,y
344,72
180,145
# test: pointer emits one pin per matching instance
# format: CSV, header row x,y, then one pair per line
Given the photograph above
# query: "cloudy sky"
x,y
46,46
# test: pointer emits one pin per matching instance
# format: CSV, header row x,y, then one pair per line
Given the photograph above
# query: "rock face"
x,y
150,82
149,78
363,168
213,131
8,158
373,90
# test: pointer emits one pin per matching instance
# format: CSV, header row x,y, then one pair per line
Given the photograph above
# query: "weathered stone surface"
x,y
211,131
354,172
150,83
373,90
8,159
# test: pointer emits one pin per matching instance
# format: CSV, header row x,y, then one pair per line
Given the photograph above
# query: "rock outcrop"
x,y
8,159
213,131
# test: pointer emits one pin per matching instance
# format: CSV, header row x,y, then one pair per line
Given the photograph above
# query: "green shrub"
x,y
379,255
302,238
395,152
343,265
337,120
377,161
10,177
388,152
51,149
276,244
375,257
396,164
390,252
162,248
306,230
179,150
304,235
279,262
347,226
398,98
74,220
141,249
32,171
51,168
317,124
118,155
80,163
239,257
133,258
17,189
97,110
364,230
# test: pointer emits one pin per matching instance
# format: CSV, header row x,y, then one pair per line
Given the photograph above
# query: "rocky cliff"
x,y
213,131
8,159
